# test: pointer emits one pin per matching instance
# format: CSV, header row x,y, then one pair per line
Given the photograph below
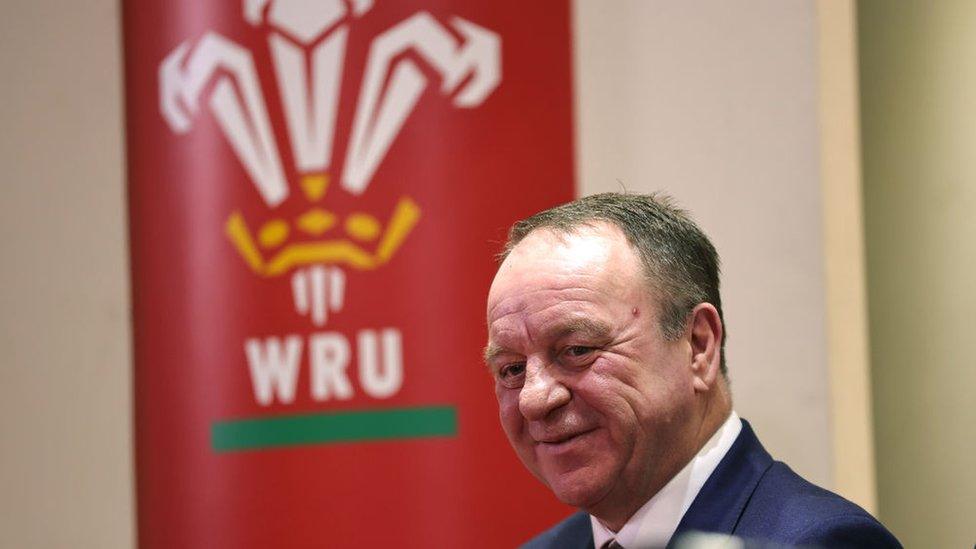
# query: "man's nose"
x,y
542,391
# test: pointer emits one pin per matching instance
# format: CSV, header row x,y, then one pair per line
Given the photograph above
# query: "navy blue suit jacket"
x,y
753,497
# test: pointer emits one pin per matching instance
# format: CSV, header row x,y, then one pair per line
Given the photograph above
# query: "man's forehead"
x,y
553,275
589,239
544,255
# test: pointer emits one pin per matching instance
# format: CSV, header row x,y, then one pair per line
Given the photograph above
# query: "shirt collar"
x,y
655,522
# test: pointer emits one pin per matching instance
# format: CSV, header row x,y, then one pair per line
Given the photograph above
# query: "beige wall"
x,y
918,82
717,105
844,280
65,457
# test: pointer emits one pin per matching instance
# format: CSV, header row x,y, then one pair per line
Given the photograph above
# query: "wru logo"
x,y
307,42
307,46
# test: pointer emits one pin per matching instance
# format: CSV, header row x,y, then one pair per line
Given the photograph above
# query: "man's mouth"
x,y
562,440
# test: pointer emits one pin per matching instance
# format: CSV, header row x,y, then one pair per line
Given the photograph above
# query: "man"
x,y
605,339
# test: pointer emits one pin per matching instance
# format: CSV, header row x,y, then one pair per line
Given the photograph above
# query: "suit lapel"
x,y
574,533
724,496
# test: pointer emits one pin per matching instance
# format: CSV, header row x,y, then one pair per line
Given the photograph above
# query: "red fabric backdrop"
x,y
469,170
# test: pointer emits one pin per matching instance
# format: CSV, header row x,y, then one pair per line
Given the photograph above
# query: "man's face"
x,y
597,404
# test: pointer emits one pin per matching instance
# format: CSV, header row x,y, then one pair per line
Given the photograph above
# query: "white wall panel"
x,y
715,103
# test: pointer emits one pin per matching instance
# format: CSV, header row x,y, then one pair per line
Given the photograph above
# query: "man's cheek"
x,y
507,401
509,415
500,393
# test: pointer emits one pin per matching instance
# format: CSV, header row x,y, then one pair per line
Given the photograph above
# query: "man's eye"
x,y
577,355
577,351
512,371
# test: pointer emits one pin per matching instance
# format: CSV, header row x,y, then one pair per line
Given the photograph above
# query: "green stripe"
x,y
331,427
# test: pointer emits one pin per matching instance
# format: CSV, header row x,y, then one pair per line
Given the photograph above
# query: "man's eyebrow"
x,y
491,351
586,327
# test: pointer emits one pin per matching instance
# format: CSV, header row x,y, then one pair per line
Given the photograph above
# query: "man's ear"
x,y
705,335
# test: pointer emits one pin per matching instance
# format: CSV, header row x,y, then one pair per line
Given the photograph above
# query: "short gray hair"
x,y
677,256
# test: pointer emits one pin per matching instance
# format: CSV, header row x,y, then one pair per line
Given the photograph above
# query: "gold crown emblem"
x,y
319,236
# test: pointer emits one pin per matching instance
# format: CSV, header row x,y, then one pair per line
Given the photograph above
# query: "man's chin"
x,y
581,488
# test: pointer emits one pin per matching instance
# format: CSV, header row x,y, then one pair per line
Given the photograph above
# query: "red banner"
x,y
316,191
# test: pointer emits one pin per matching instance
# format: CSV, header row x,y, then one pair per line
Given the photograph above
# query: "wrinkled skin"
x,y
595,401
